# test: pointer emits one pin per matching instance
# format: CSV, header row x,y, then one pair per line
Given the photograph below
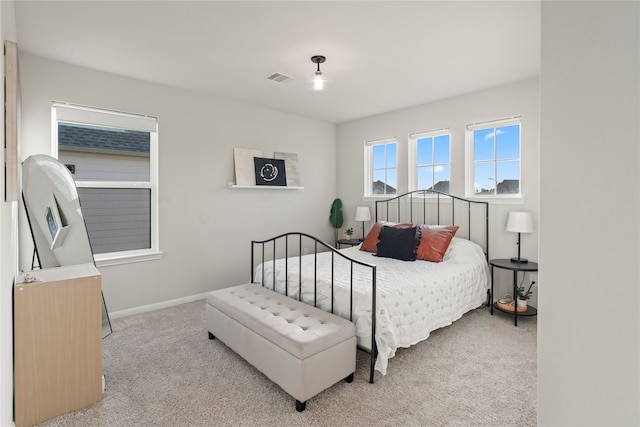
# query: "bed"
x,y
410,298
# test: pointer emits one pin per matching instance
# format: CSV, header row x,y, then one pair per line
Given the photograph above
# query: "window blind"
x,y
87,115
494,123
380,141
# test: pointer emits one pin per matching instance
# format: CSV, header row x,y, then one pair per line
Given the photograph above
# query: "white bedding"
x,y
413,297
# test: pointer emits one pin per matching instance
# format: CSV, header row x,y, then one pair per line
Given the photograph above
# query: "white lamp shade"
x,y
363,214
520,222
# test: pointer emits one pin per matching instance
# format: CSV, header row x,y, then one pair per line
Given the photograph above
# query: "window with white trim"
x,y
113,159
494,158
381,167
430,161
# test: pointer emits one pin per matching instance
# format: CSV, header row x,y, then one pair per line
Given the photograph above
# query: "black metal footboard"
x,y
290,248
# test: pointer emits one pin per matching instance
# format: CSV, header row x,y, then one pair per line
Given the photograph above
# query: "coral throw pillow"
x,y
370,243
434,241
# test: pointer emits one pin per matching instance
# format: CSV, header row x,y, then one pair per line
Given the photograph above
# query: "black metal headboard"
x,y
438,208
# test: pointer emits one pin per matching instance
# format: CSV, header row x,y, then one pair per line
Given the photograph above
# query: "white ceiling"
x,y
382,55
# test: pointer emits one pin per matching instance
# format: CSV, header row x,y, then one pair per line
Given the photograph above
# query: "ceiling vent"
x,y
279,78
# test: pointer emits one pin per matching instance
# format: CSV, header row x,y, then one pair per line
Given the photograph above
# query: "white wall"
x,y
588,337
205,227
8,249
515,99
588,356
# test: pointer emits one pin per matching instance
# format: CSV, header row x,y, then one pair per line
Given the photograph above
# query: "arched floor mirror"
x,y
55,217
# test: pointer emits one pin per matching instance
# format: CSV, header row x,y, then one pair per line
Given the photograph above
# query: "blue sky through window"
x,y
385,168
433,164
496,154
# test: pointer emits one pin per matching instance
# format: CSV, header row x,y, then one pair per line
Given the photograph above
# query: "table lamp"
x,y
363,214
520,222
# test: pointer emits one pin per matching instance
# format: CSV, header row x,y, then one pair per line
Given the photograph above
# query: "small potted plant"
x,y
349,232
523,296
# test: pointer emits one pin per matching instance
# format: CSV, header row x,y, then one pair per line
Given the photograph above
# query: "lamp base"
x,y
519,260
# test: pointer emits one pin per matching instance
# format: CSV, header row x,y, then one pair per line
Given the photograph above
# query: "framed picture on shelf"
x,y
270,172
243,162
291,167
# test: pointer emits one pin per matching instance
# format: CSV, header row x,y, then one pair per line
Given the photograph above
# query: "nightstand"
x,y
349,242
507,264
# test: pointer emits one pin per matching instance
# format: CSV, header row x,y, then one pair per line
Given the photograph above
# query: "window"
x,y
113,159
494,158
430,161
381,171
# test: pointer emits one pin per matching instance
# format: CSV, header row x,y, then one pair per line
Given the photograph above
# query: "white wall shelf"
x,y
269,187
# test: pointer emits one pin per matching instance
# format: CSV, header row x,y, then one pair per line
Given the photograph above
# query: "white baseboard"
x,y
156,306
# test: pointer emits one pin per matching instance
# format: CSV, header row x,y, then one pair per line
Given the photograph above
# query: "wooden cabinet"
x,y
57,342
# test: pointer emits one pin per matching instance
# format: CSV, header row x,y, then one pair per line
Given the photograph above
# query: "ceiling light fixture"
x,y
318,81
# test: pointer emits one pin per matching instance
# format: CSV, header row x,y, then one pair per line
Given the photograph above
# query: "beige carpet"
x,y
162,370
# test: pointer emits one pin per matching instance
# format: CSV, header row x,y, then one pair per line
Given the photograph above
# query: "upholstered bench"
x,y
301,348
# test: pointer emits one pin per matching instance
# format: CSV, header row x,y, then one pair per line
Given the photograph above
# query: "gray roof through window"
x,y
76,137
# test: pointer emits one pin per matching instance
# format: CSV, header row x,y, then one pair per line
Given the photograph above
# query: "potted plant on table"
x,y
523,296
349,232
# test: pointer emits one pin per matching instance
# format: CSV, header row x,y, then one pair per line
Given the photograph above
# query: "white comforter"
x,y
413,297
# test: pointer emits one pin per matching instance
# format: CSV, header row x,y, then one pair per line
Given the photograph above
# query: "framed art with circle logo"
x,y
270,172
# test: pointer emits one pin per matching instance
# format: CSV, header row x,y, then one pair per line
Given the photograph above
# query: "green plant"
x,y
349,232
522,295
335,218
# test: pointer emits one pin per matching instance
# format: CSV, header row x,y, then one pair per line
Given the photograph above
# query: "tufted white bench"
x,y
299,347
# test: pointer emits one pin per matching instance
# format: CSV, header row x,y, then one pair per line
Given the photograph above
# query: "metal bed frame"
x,y
293,246
418,203
293,253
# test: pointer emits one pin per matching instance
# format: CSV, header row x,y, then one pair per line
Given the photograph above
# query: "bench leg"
x,y
349,379
211,336
301,406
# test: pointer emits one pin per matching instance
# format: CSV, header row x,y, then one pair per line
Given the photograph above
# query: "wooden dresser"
x,y
57,342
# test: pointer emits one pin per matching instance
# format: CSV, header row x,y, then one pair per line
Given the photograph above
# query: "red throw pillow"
x,y
434,241
370,243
